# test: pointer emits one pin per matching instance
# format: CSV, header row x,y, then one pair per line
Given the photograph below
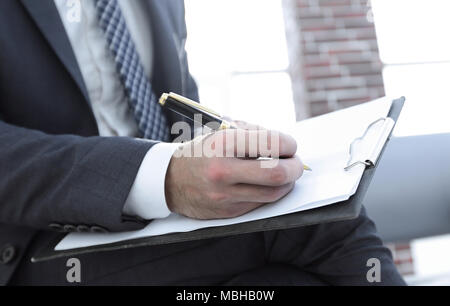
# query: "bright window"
x,y
414,42
238,55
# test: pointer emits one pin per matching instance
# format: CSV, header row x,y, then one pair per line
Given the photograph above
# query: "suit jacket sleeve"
x,y
66,179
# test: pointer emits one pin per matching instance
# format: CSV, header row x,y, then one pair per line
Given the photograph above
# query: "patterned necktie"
x,y
148,114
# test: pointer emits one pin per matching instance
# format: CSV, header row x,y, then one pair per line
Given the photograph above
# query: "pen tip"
x,y
307,168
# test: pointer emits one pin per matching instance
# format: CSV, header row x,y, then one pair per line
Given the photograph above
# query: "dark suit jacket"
x,y
56,174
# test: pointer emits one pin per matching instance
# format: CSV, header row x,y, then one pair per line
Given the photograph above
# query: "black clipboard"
x,y
339,211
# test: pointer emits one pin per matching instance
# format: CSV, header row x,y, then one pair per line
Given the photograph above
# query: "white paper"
x,y
323,145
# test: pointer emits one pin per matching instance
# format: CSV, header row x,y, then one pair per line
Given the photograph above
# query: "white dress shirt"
x,y
107,95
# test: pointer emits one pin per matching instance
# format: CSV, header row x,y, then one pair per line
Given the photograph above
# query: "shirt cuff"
x,y
147,198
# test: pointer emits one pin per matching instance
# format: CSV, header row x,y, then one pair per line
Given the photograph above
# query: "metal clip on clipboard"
x,y
371,160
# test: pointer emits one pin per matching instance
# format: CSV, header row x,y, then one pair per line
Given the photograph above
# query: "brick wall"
x,y
403,257
333,54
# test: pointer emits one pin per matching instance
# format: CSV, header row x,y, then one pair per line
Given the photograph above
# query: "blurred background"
x,y
275,62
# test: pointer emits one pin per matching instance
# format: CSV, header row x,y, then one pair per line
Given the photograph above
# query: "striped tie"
x,y
148,114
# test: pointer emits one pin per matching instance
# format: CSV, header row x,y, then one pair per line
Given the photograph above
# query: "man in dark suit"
x,y
74,75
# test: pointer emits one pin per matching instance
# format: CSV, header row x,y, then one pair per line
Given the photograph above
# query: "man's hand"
x,y
226,187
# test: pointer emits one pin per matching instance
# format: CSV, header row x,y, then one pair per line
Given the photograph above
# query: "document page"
x,y
324,144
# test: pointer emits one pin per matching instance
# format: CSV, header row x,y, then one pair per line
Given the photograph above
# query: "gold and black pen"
x,y
188,108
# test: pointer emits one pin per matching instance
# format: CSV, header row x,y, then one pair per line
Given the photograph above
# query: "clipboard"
x,y
340,211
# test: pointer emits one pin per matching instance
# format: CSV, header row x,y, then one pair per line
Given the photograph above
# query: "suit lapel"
x,y
46,17
167,70
167,74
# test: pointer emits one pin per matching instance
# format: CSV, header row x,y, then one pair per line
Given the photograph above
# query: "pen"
x,y
188,108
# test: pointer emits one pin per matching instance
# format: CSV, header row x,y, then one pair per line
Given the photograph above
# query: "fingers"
x,y
284,171
247,126
253,143
217,185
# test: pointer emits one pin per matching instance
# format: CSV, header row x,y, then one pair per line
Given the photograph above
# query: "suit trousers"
x,y
326,254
